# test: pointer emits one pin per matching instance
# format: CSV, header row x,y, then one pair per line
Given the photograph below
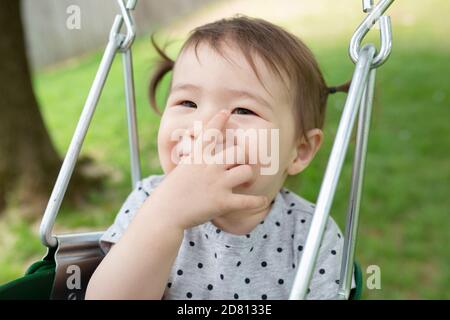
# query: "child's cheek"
x,y
165,146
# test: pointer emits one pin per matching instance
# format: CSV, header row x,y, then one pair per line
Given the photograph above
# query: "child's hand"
x,y
194,193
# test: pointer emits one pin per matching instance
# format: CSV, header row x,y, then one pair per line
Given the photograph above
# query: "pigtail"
x,y
162,67
341,88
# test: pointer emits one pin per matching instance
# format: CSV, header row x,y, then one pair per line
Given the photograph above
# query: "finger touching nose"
x,y
219,120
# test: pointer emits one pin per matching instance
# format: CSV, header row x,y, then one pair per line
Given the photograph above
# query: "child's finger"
x,y
232,156
247,202
213,130
238,175
219,120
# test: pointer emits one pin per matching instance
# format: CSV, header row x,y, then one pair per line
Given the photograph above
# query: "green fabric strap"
x,y
36,284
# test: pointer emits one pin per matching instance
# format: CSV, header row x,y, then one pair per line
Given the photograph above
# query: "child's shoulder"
x,y
151,182
302,211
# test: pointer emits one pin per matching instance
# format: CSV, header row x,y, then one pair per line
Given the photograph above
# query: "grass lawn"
x,y
404,223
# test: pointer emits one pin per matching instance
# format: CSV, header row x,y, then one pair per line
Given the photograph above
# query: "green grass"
x,y
404,223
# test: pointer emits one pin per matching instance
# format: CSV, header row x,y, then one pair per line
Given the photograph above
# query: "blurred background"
x,y
48,60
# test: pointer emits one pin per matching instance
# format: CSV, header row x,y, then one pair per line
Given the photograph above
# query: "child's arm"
x,y
152,244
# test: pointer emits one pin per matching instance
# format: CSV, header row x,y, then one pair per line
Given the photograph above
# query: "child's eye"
x,y
241,111
188,104
244,111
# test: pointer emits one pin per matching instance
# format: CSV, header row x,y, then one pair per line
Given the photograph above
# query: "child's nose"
x,y
202,121
190,133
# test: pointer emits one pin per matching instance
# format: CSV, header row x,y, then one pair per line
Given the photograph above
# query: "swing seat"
x,y
42,281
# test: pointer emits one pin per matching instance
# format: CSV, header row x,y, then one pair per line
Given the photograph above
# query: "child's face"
x,y
204,86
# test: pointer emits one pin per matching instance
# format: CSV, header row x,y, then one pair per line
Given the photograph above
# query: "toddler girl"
x,y
209,228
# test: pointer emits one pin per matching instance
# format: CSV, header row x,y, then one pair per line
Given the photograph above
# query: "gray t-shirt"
x,y
214,264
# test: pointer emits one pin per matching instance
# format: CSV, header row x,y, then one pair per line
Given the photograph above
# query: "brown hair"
x,y
279,49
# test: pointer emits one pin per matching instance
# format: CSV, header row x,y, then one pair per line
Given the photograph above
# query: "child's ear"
x,y
303,152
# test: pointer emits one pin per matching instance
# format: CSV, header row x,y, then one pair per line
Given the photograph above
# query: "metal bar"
x,y
367,5
385,40
127,61
366,25
351,229
73,152
129,22
332,173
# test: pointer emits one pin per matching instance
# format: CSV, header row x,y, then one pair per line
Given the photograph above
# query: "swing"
x,y
65,270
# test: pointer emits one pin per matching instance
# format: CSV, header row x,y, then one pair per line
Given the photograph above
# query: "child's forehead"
x,y
224,55
228,59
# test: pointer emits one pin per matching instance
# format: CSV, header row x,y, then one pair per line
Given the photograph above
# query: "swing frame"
x,y
79,254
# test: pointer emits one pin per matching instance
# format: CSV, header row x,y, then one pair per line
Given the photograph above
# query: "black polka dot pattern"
x,y
215,264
